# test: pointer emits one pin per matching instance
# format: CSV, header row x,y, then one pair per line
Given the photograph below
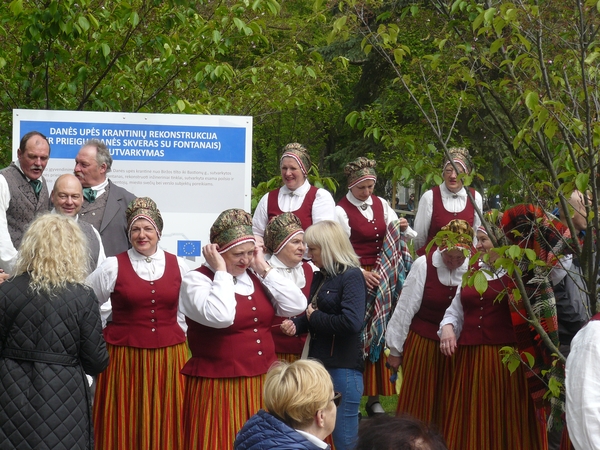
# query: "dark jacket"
x,y
113,229
336,324
47,344
264,432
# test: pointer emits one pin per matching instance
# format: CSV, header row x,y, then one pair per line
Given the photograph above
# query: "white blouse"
x,y
453,202
104,278
290,201
411,297
213,303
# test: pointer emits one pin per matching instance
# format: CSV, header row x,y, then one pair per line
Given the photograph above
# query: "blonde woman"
x,y
334,319
50,337
300,409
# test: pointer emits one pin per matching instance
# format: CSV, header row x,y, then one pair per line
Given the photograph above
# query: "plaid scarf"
x,y
393,263
530,227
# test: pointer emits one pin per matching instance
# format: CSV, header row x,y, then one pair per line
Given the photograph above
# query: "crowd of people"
x,y
109,342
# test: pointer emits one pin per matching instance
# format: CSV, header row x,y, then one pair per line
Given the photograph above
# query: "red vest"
x,y
145,312
283,342
304,213
366,236
436,299
487,317
245,349
441,216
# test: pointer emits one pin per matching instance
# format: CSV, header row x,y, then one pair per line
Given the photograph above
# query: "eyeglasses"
x,y
337,399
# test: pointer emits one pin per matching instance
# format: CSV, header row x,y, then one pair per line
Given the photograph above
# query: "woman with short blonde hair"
x,y
300,409
334,319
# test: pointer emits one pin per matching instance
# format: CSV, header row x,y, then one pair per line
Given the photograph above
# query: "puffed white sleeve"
x,y
287,298
323,207
261,217
8,252
454,315
183,270
583,388
342,218
423,219
210,303
103,279
408,305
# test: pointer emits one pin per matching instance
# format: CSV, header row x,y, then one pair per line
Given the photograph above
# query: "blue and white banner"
x,y
193,166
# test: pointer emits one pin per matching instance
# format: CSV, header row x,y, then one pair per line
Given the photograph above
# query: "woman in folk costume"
x,y
491,407
139,398
365,217
284,240
530,227
229,311
446,202
412,331
308,203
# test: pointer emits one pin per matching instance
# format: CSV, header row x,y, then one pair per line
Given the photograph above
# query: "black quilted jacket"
x,y
44,395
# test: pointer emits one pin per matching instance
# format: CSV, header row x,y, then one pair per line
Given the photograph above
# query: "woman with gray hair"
x,y
50,336
300,409
334,319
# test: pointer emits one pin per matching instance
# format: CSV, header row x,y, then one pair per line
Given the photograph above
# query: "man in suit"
x,y
67,198
23,194
104,202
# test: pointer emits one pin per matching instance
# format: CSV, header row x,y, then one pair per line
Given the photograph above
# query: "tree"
x,y
522,75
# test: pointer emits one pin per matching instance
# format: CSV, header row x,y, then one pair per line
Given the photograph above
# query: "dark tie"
x,y
37,187
89,194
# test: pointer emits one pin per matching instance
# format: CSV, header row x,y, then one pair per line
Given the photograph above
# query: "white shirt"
x,y
101,188
412,296
296,274
315,440
453,202
582,384
212,303
104,278
8,252
322,209
455,313
389,214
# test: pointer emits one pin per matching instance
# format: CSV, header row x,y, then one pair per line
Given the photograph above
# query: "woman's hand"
x,y
259,264
372,279
309,311
403,224
288,327
448,340
394,362
213,257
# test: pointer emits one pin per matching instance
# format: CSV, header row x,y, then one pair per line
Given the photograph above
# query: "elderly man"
x,y
23,194
67,198
104,202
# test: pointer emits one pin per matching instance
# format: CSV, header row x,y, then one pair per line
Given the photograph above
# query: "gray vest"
x,y
93,244
93,213
24,206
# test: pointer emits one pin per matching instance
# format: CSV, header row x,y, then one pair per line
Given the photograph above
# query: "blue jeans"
x,y
350,383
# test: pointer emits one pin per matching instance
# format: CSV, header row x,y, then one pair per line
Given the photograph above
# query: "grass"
x,y
388,404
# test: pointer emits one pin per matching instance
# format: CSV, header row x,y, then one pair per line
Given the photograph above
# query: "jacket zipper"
x,y
332,344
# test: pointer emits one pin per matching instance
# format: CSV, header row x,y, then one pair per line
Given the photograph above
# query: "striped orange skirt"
x,y
491,409
376,378
139,399
215,409
427,380
288,357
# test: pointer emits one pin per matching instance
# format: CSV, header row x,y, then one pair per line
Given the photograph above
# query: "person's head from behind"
x,y
53,252
398,433
329,247
301,395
